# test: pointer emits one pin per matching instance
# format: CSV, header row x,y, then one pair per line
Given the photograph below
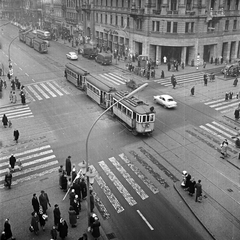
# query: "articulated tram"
x,y
136,115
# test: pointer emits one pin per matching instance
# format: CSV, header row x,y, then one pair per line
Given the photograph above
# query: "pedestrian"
x,y
169,66
84,237
191,188
63,229
211,60
23,97
215,61
76,205
205,79
235,82
3,236
7,229
162,74
53,233
182,65
11,96
74,173
72,196
83,189
35,203
64,181
42,218
5,120
56,215
187,181
204,64
44,201
226,96
176,66
60,173
72,217
95,225
16,135
34,222
12,161
68,166
198,187
8,179
192,90
91,201
14,97
224,146
236,114
164,59
13,85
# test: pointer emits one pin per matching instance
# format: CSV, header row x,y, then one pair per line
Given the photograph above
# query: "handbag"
x,y
45,217
31,229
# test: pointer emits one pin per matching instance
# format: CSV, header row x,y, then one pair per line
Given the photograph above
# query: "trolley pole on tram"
x,y
89,172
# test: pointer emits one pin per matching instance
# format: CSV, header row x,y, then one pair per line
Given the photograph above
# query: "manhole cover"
x,y
111,236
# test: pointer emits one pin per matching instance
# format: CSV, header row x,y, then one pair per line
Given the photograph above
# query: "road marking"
x,y
41,91
225,128
54,88
216,101
26,74
20,68
117,184
114,78
15,63
230,105
33,80
128,178
145,220
47,89
64,90
34,92
218,130
108,79
136,170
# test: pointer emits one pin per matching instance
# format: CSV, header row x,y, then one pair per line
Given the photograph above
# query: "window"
x,y
111,2
106,19
168,27
116,3
153,26
96,17
122,21
189,5
226,25
189,27
123,3
101,19
157,26
192,27
111,19
116,20
175,24
186,27
235,25
173,5
139,24
128,21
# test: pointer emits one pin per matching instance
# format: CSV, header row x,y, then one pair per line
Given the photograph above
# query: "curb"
x,y
209,232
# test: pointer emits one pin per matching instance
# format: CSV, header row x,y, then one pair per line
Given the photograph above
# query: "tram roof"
x,y
77,69
39,40
31,35
133,103
105,83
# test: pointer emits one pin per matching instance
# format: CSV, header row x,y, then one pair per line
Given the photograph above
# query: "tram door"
x,y
81,81
103,98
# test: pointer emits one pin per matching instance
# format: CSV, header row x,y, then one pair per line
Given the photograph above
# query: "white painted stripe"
x,y
21,115
20,68
116,75
107,191
225,128
34,92
47,89
13,111
26,152
29,157
224,103
110,80
16,112
117,184
129,179
62,89
27,178
228,106
218,130
114,78
13,108
146,181
41,91
30,96
40,160
215,134
145,220
229,110
26,74
54,88
26,117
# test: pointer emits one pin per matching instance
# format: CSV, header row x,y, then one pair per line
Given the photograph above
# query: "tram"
x,y
76,75
40,45
22,36
29,39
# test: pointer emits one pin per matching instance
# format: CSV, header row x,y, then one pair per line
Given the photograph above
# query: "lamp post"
x,y
87,139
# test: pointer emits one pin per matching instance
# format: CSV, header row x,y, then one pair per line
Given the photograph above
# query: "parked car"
x,y
72,56
165,100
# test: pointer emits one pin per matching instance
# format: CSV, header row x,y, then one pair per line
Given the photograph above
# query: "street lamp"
x,y
87,139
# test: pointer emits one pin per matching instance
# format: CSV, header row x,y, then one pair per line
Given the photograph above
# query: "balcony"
x,y
86,7
174,12
217,13
156,12
137,13
71,21
191,13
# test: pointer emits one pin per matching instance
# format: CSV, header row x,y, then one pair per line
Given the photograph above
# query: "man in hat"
x,y
44,201
68,166
72,196
63,229
12,161
35,203
57,215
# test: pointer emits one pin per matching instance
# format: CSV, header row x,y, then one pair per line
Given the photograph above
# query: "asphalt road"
x,y
63,122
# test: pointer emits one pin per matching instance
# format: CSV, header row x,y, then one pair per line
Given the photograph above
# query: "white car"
x,y
165,100
72,56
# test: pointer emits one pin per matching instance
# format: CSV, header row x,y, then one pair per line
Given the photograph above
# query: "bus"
x,y
45,35
76,75
29,39
40,45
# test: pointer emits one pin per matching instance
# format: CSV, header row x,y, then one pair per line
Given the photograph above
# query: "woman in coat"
x,y
68,166
5,120
7,229
63,229
72,216
34,222
42,219
95,228
191,188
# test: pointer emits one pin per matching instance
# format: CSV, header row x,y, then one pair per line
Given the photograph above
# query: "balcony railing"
x,y
156,12
86,7
191,13
228,13
174,12
217,13
137,12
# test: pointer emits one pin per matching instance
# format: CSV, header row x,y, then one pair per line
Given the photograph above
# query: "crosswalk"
x,y
222,105
16,112
35,162
114,78
196,77
45,90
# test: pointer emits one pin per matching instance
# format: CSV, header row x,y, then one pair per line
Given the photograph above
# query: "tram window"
x,y
129,113
124,109
119,106
151,117
147,118
144,119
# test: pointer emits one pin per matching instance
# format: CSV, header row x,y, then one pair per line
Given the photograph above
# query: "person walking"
x,y
63,229
76,205
224,147
235,82
191,188
162,74
192,90
64,181
198,187
14,97
164,59
35,203
91,201
7,229
42,218
11,96
12,162
72,196
5,120
53,233
23,97
44,201
72,217
8,179
74,173
68,166
56,215
236,114
16,135
95,225
60,173
83,186
34,222
169,66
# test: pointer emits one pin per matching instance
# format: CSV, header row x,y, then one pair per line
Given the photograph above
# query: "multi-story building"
x,y
11,9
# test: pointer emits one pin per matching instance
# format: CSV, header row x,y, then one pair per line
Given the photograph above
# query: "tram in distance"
x,y
45,35
40,45
136,115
